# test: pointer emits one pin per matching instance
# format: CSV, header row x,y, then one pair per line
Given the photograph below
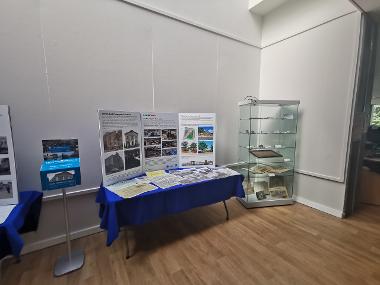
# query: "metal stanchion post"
x,y
73,260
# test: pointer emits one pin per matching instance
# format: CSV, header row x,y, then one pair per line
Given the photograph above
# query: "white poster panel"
x,y
197,139
160,139
120,142
8,179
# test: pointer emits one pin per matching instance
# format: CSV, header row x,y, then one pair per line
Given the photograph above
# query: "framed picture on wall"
x,y
8,180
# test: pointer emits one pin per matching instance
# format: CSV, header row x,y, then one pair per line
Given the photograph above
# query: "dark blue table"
x,y
23,218
116,212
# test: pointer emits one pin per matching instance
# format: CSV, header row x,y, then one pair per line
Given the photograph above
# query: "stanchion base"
x,y
64,266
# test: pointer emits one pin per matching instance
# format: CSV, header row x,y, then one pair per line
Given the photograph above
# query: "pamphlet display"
x,y
171,178
197,139
8,180
120,145
60,170
160,135
61,166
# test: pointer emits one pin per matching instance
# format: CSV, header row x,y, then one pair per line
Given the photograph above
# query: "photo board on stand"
x,y
120,145
132,143
8,178
197,139
160,139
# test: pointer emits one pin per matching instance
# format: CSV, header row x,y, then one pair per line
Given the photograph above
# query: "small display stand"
x,y
61,174
74,260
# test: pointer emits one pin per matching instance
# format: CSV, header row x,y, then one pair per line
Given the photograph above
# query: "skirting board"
x,y
320,207
41,244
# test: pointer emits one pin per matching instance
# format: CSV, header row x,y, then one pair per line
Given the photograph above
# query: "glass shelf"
x,y
268,133
267,118
267,148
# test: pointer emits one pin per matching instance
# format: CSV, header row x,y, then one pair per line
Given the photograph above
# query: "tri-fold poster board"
x,y
8,180
132,143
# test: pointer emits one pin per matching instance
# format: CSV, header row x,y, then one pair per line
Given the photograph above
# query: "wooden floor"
x,y
283,245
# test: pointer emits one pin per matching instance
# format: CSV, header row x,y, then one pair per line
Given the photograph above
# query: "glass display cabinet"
x,y
267,145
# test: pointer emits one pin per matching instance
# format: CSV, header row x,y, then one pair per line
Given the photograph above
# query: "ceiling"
x,y
370,6
262,7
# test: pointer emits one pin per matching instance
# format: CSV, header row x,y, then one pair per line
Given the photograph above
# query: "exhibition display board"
x,y
132,143
160,132
120,145
197,139
8,180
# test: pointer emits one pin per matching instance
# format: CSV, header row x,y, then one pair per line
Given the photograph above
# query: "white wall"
x,y
230,17
296,16
109,54
318,67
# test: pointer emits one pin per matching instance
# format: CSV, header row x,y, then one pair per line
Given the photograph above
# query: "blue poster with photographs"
x,y
61,166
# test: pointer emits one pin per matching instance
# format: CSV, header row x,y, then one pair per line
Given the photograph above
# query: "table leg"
x,y
1,267
227,213
127,245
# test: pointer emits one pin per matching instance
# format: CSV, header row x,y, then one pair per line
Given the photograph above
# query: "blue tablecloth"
x,y
116,212
24,217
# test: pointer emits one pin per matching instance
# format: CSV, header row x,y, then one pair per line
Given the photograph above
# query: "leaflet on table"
x,y
155,173
5,211
160,138
194,175
120,141
197,139
165,181
130,188
8,179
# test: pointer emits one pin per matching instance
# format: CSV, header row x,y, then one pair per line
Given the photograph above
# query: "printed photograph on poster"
x,y
8,175
149,133
61,176
113,140
189,134
131,138
3,145
114,162
6,189
59,149
205,146
205,132
132,158
5,167
169,134
169,151
152,151
189,147
152,141
167,144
